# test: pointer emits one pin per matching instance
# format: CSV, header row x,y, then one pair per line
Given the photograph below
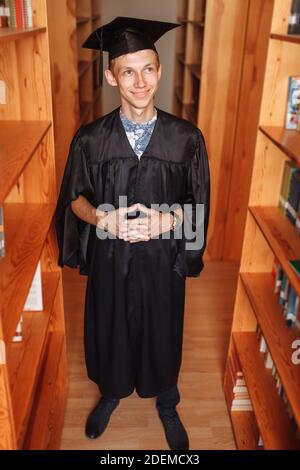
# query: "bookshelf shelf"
x,y
17,34
48,398
286,37
286,140
19,141
81,20
96,17
268,407
24,248
270,240
25,358
279,338
281,237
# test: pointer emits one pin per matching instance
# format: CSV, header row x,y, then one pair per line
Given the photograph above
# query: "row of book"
x,y
289,197
287,296
34,302
236,389
15,14
294,18
292,120
269,364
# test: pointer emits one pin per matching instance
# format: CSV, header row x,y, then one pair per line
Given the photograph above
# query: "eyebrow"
x,y
127,67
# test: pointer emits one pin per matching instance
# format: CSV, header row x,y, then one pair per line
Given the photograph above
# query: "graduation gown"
x,y
135,293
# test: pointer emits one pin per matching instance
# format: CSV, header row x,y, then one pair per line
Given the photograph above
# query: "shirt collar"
x,y
125,120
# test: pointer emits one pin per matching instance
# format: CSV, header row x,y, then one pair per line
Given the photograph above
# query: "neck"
x,y
137,114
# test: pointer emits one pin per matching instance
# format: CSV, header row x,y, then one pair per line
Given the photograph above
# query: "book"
x,y
18,334
295,264
293,103
294,18
34,301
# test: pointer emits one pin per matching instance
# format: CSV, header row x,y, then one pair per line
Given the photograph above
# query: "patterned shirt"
x,y
138,133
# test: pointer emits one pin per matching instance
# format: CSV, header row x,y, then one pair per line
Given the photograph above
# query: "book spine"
x,y
294,18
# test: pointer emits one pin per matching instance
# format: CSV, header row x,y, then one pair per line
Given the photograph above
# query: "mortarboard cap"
x,y
124,35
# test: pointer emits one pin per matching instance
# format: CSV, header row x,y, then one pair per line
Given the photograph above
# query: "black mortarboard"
x,y
124,35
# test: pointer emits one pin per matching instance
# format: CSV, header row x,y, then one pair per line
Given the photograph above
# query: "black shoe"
x,y
99,417
175,432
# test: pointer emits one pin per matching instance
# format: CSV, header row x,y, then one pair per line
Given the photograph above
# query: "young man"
x,y
136,267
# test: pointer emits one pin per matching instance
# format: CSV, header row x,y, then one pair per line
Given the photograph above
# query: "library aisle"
x,y
135,423
230,68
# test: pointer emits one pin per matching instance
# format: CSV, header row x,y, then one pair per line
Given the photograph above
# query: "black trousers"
x,y
166,401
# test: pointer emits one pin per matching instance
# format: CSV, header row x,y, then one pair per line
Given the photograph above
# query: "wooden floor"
x,y
135,423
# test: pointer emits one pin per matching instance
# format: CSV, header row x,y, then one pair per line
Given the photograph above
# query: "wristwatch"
x,y
176,220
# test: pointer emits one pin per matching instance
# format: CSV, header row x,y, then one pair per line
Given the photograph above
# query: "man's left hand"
x,y
144,228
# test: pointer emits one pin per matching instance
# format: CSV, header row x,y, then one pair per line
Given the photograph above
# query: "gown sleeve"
x,y
72,233
197,192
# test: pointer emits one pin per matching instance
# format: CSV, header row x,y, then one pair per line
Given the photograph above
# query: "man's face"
x,y
137,75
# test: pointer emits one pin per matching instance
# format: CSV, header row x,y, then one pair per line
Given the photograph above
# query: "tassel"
x,y
100,78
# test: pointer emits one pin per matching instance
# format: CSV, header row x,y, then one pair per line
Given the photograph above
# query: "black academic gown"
x,y
135,294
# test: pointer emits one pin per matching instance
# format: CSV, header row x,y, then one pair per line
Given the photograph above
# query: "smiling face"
x,y
136,75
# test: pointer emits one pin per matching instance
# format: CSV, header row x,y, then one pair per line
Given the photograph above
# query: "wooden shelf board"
x,y
279,337
82,19
26,229
245,430
39,428
83,66
271,416
184,21
24,358
19,140
198,24
179,96
295,38
287,140
281,236
15,34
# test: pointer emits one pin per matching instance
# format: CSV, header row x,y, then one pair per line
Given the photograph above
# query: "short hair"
x,y
111,63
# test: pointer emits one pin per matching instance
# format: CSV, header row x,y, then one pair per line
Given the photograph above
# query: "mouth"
x,y
140,94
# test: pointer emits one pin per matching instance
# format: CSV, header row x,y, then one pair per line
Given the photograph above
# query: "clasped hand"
x,y
139,229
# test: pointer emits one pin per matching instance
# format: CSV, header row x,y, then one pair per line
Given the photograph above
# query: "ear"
x,y
110,77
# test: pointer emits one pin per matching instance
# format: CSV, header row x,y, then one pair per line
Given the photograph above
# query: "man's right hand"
x,y
116,222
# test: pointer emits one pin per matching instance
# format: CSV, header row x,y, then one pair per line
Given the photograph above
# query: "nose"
x,y
139,80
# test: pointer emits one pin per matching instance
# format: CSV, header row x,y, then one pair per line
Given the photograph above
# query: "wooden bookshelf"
x,y
268,407
268,235
88,18
189,45
28,196
14,34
